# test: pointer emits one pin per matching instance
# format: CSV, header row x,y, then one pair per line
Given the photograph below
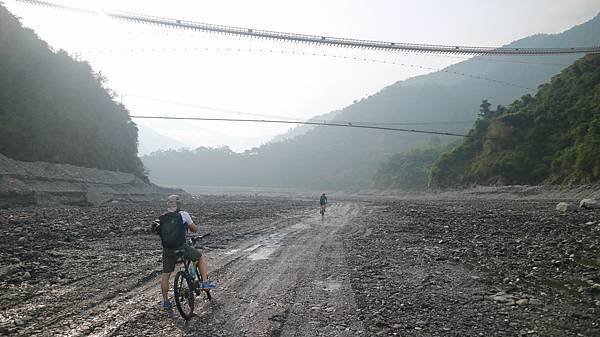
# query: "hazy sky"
x,y
276,83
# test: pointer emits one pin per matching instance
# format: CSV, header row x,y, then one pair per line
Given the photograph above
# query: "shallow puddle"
x,y
262,254
329,285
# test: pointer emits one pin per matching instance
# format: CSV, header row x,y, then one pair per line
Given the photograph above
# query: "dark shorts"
x,y
170,257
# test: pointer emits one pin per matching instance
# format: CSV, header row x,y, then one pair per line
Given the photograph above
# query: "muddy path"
x,y
90,271
292,280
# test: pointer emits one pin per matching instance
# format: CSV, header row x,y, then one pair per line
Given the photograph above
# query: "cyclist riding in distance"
x,y
173,231
323,203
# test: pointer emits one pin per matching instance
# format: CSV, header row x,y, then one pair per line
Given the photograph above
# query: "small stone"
x,y
589,204
566,207
522,301
535,301
26,275
503,298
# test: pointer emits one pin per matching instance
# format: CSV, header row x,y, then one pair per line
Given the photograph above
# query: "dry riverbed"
x,y
404,268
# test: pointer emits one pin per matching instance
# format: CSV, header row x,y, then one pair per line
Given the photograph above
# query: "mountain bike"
x,y
188,282
322,211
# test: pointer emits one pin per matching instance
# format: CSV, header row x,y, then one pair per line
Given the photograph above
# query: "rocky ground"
x,y
399,268
484,267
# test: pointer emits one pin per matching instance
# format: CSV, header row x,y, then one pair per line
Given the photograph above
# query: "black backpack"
x,y
172,230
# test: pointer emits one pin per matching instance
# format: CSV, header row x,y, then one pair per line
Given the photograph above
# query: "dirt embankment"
x,y
39,183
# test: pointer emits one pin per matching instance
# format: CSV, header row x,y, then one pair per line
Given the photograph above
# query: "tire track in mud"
x,y
108,317
100,301
286,278
291,282
42,308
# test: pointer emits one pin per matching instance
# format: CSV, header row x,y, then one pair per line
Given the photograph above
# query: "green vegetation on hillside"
x,y
410,170
56,109
553,137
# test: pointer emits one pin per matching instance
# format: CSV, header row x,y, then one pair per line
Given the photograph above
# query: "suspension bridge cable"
x,y
348,125
462,58
315,39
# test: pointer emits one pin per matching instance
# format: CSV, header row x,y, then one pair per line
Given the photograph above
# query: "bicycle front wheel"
x,y
184,295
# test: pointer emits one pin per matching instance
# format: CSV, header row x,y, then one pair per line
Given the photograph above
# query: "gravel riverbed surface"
x,y
392,268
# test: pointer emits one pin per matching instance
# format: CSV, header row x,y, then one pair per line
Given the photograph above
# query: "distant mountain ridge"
x,y
339,158
150,141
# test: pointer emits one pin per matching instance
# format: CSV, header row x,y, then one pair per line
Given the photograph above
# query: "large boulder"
x,y
589,204
566,207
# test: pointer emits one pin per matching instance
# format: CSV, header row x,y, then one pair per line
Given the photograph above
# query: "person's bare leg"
x,y
164,285
202,267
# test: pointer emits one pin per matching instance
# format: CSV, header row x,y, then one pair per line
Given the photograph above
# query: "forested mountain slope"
x,y
55,109
552,137
341,158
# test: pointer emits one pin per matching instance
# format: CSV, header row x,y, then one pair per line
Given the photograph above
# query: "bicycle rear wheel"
x,y
206,291
184,295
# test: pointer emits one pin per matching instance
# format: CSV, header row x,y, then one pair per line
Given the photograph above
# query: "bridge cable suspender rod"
x,y
277,121
316,39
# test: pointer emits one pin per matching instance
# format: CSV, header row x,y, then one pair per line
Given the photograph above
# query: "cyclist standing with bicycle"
x,y
173,231
323,203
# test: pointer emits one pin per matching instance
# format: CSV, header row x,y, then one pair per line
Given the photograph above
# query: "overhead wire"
x,y
333,124
356,58
315,39
204,107
292,119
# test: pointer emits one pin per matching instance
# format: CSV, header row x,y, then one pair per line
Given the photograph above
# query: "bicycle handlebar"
x,y
195,238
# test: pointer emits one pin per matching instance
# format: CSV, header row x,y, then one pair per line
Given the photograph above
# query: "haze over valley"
x,y
269,168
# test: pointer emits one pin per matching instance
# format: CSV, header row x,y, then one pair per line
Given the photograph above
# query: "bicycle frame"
x,y
183,275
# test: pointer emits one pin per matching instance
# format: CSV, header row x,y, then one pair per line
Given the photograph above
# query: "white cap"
x,y
174,202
